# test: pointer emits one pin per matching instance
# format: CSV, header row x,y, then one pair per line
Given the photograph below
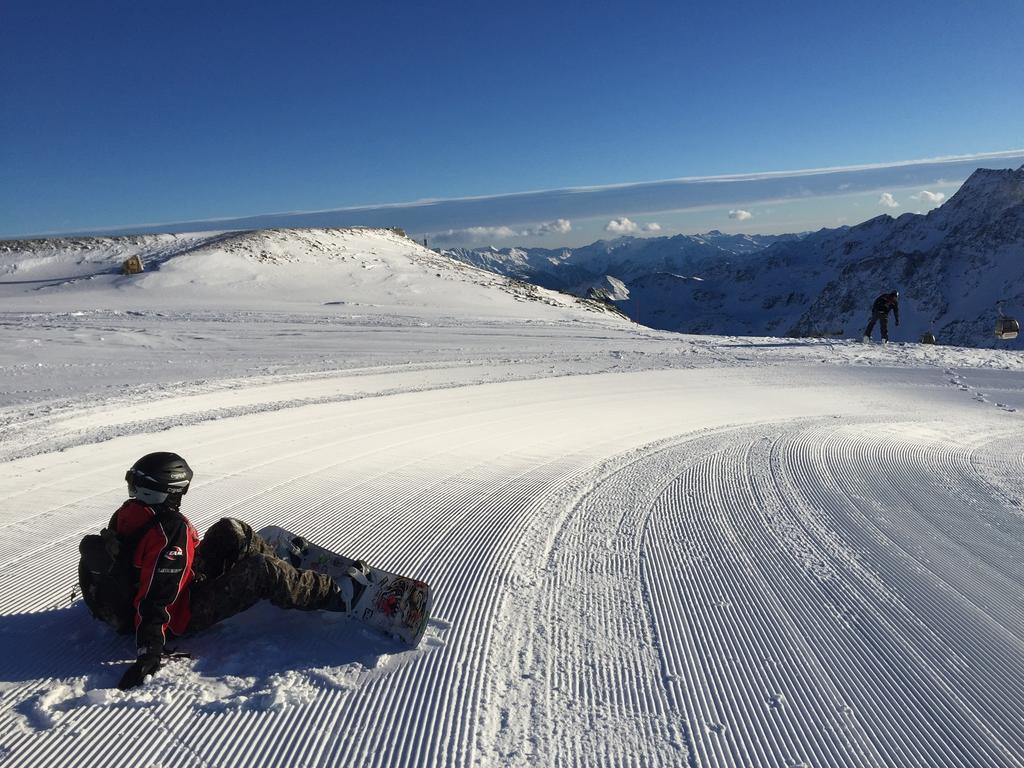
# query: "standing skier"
x,y
880,314
148,572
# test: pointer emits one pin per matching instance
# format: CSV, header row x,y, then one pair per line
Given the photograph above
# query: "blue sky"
x,y
118,114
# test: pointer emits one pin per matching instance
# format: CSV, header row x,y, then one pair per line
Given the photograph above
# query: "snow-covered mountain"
x,y
625,258
951,267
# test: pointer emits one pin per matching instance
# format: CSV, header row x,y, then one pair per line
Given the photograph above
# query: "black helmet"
x,y
156,476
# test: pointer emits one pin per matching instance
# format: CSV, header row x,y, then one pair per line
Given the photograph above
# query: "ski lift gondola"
x,y
1006,327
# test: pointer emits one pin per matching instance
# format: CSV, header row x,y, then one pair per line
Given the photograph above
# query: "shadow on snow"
x,y
248,660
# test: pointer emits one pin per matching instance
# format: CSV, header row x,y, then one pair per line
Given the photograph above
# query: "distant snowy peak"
x,y
515,263
992,189
623,258
606,289
743,244
987,195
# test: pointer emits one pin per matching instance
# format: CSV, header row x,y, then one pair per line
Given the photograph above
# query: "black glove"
x,y
136,673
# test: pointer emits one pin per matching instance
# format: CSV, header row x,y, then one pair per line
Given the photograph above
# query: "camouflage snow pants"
x,y
883,320
235,569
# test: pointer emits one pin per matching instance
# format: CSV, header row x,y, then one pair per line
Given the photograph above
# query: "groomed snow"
x,y
647,549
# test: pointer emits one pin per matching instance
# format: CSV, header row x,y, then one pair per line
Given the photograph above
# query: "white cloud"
x,y
472,235
557,227
740,215
490,233
621,226
888,200
626,226
503,232
935,198
642,199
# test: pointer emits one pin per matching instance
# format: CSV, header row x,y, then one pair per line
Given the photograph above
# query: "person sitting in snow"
x,y
880,314
148,572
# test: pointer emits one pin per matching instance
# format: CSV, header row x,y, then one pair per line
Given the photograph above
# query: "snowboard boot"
x,y
349,588
298,548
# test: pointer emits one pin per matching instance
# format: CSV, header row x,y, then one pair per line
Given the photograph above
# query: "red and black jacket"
x,y
162,562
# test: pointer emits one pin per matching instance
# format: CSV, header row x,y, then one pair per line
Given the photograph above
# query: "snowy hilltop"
x,y
951,266
295,269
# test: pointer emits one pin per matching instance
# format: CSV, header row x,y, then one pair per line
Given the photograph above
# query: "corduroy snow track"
x,y
709,567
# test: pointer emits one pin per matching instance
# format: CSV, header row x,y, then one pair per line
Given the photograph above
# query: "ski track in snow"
x,y
621,578
797,596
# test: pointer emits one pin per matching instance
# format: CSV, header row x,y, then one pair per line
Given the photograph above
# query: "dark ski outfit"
x,y
880,314
149,573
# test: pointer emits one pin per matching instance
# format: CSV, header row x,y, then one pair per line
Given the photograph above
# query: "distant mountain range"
x,y
951,267
576,270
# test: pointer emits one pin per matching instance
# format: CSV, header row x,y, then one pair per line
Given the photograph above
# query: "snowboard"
x,y
396,605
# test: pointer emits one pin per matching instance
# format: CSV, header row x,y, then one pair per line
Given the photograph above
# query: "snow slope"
x,y
350,269
647,548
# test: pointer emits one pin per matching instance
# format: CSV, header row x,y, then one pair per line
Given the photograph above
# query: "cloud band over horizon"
x,y
528,209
